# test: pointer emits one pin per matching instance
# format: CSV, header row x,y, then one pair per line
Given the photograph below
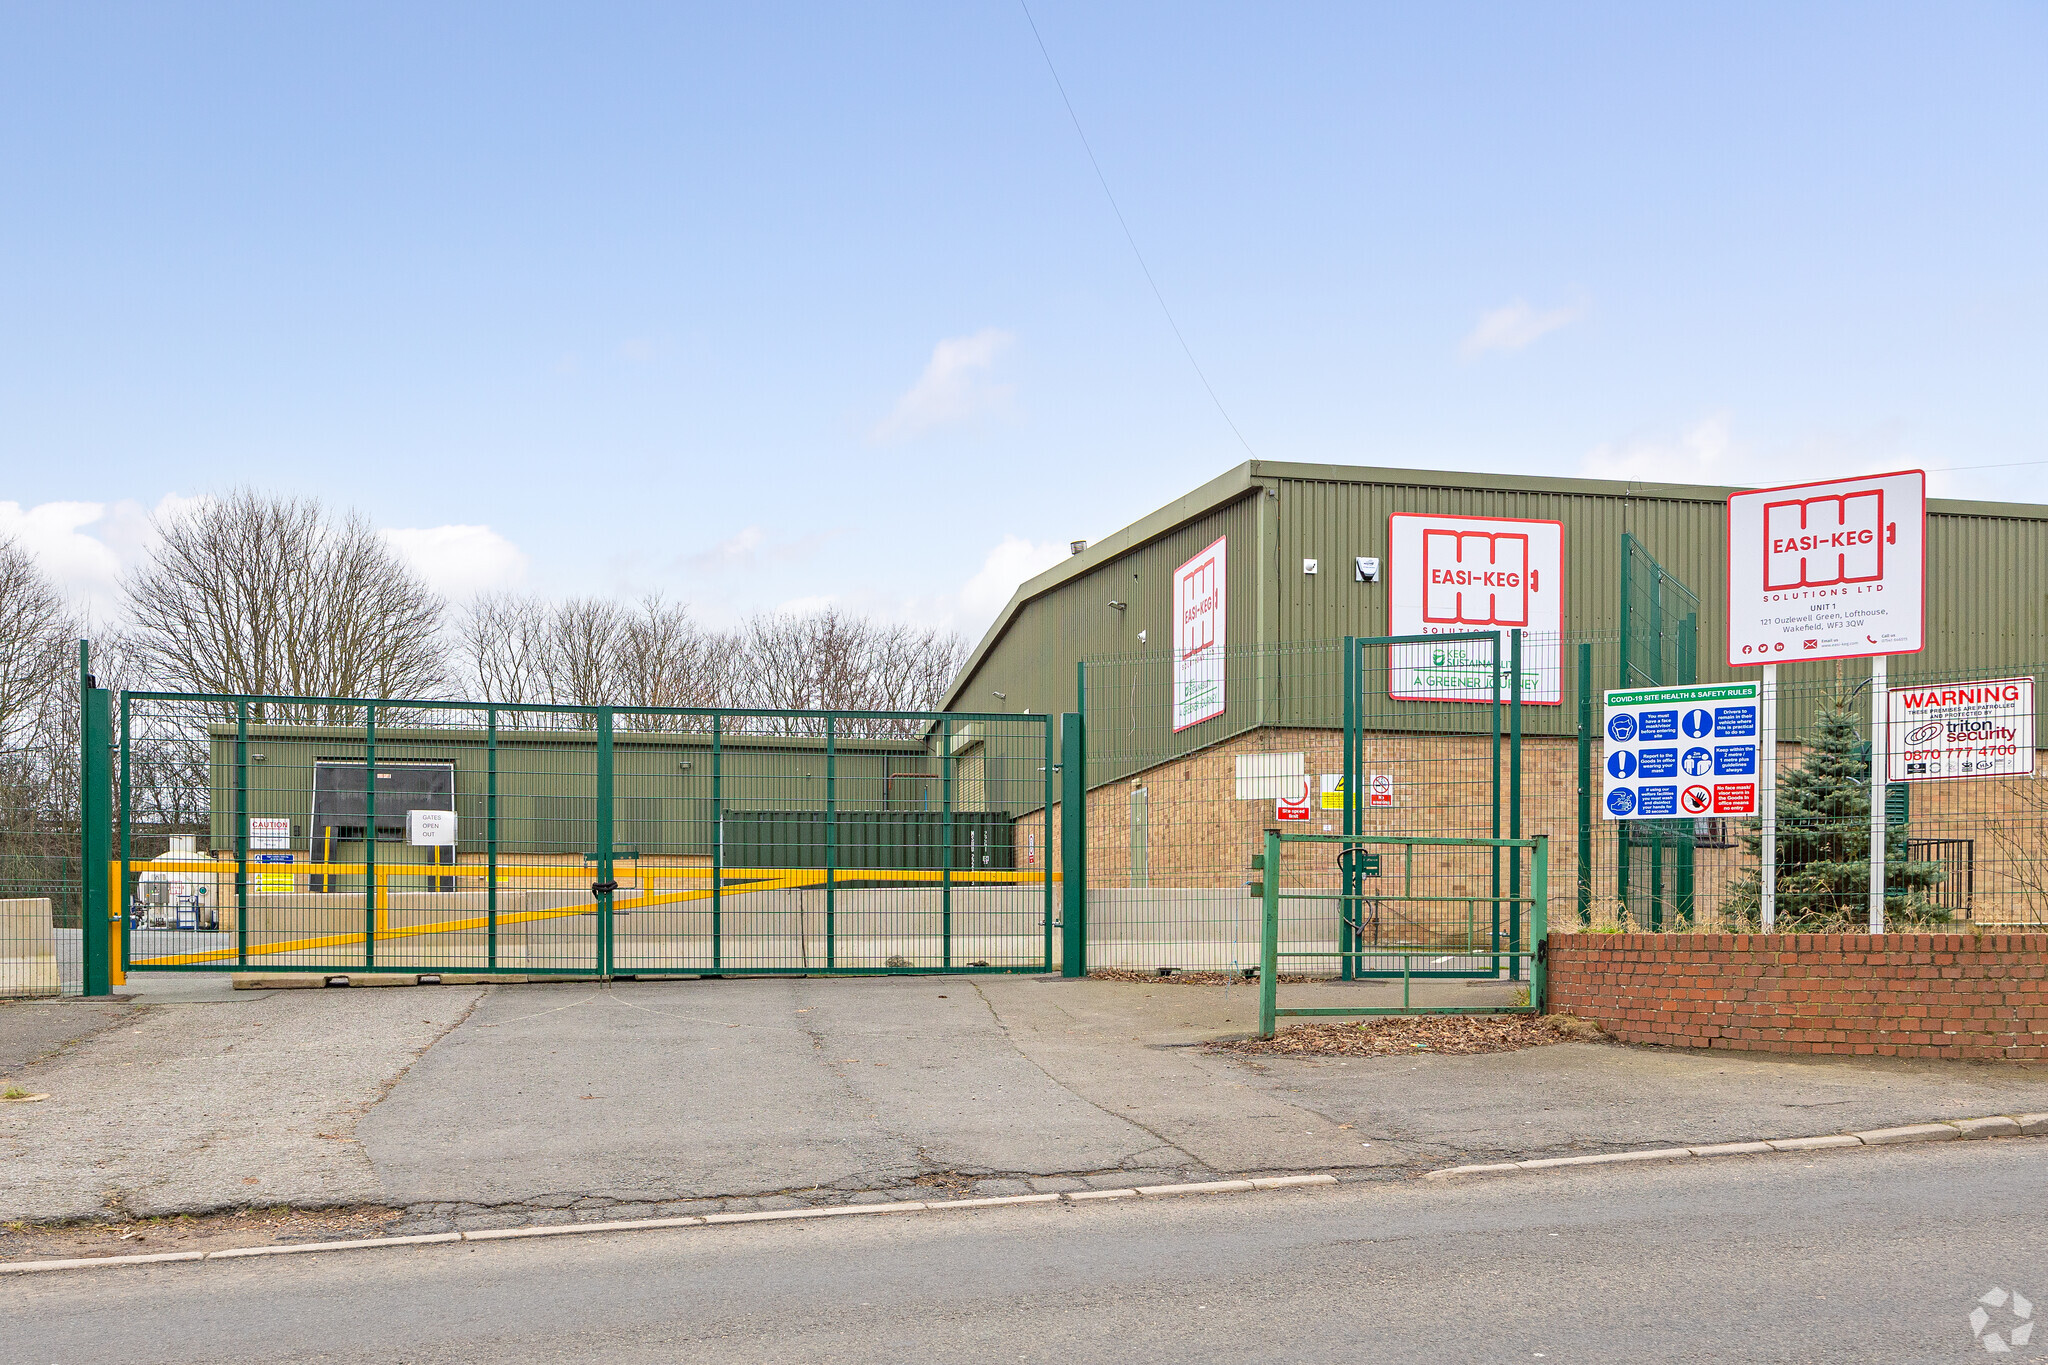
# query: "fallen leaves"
x,y
1457,1035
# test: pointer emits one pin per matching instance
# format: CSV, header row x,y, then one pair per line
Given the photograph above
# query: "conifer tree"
x,y
1824,842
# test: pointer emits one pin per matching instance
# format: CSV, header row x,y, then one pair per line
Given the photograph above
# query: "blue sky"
x,y
765,305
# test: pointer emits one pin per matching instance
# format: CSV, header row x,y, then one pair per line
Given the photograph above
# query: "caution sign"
x,y
1680,752
1952,730
1333,791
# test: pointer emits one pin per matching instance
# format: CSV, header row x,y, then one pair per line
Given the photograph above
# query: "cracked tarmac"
x,y
488,1106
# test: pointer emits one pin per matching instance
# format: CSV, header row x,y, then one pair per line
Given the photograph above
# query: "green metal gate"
x,y
346,835
1431,768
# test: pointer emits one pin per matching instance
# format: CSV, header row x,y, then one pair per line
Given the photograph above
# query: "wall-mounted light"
x,y
255,758
1075,547
1118,606
999,696
1141,637
683,766
1365,569
1308,566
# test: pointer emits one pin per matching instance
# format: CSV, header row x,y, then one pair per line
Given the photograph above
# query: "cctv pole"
x,y
1880,770
1767,794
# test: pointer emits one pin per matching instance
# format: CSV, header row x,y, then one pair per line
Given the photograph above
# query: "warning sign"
x,y
1952,730
1681,752
1382,789
1832,570
1296,807
1333,791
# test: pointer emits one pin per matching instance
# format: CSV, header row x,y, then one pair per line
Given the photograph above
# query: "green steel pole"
x,y
1515,803
1073,847
1585,868
717,841
1045,850
96,792
1349,887
605,882
369,837
241,831
1269,933
946,842
1494,644
1622,679
1539,924
831,841
120,880
491,837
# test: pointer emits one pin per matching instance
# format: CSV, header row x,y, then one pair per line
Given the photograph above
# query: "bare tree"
x,y
37,648
591,652
827,660
273,596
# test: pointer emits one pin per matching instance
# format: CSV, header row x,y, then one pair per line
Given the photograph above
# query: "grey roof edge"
x,y
1241,480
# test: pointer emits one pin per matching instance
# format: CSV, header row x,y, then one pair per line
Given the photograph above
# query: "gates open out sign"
x,y
1451,575
1831,570
1200,595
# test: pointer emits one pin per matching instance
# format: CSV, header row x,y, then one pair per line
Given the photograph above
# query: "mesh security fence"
x,y
266,835
39,870
1176,816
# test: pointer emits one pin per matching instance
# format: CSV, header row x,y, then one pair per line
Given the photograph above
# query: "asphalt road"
x,y
1857,1256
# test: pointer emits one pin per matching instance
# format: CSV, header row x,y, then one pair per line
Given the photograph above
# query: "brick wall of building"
x,y
1952,996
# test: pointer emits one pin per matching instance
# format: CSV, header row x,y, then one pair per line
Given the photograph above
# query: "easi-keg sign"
x,y
1833,570
1677,753
1453,575
1200,589
1968,729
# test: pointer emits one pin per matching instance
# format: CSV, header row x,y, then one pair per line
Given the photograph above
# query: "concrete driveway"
x,y
586,1098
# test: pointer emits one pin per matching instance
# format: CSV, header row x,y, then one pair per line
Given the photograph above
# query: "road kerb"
x,y
1815,1144
1202,1187
1289,1182
2032,1124
566,1229
1912,1132
1733,1149
1081,1196
784,1215
1607,1158
305,1248
94,1262
1491,1168
1996,1126
992,1202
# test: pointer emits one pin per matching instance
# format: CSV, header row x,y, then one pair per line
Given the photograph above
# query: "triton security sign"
x,y
1968,729
1451,575
1830,570
1677,753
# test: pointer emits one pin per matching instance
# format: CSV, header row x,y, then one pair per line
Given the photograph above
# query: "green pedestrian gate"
x,y
1426,864
346,835
1433,756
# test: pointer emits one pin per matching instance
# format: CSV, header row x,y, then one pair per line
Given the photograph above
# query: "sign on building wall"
x,y
1297,804
270,831
430,828
1452,575
1199,593
1970,729
1832,570
1676,753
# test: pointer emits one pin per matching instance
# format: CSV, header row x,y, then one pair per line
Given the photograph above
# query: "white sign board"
x,y
1200,588
1268,777
1833,570
1951,730
1382,789
1296,805
430,827
266,831
1452,575
1676,753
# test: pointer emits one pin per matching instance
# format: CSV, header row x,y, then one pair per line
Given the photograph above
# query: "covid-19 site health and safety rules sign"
x,y
1676,753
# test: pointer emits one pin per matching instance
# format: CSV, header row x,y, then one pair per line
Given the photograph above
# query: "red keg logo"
x,y
1476,578
1820,542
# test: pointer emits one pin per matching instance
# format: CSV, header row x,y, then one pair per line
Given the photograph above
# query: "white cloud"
x,y
750,548
1515,326
1705,454
954,387
459,561
85,547
1008,564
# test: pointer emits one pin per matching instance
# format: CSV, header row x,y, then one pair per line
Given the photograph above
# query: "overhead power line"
x,y
1110,195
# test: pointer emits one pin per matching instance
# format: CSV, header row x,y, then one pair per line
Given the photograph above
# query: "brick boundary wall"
x,y
1950,996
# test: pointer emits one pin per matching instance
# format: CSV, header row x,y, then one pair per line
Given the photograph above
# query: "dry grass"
x,y
1459,1035
25,1241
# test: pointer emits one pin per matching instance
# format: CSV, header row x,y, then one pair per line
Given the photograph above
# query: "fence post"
x,y
1539,922
1073,846
1269,933
95,814
241,832
1051,785
605,862
1585,869
1515,802
1350,897
369,837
